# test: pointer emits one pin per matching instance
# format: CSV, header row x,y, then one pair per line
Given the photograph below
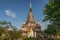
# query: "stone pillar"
x,y
35,34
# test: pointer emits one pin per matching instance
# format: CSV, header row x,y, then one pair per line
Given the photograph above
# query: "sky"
x,y
16,11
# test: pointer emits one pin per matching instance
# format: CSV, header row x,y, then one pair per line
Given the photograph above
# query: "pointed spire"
x,y
30,5
30,18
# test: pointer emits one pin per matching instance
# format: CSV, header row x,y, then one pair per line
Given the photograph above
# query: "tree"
x,y
52,14
28,39
5,33
0,30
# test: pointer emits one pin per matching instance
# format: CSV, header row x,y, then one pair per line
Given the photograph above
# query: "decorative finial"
x,y
30,5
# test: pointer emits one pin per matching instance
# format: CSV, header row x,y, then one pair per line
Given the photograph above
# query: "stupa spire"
x,y
30,18
30,5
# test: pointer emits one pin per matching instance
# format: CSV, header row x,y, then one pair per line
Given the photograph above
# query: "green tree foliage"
x,y
14,34
0,30
7,31
52,14
28,39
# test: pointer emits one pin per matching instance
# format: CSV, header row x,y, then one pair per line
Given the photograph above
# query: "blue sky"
x,y
16,11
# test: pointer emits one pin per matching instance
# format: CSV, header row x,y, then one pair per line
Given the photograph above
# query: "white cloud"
x,y
13,15
43,25
10,13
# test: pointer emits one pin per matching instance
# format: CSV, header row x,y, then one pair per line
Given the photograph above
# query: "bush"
x,y
28,39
